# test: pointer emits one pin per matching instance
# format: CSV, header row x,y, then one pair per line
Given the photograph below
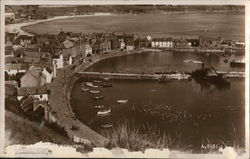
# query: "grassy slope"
x,y
19,130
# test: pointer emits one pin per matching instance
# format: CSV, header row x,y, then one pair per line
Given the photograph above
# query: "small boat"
x,y
99,106
107,125
94,91
122,101
85,90
107,85
106,78
97,81
104,112
89,84
98,97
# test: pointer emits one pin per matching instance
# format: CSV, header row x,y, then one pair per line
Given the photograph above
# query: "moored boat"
x,y
99,106
106,78
106,125
85,90
97,81
122,101
104,112
98,97
90,84
94,91
107,84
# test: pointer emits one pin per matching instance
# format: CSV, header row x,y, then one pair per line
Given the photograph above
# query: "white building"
x,y
122,45
70,60
57,63
162,43
48,72
149,38
87,50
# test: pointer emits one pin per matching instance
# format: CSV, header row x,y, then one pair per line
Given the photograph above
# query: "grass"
x,y
124,135
19,130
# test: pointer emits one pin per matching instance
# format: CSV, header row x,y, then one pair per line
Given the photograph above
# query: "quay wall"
x,y
130,76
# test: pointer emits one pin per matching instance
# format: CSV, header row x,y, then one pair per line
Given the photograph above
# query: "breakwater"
x,y
133,76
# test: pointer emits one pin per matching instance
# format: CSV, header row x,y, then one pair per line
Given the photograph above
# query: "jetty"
x,y
133,76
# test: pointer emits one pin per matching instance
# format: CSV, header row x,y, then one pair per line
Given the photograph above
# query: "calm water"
x,y
199,112
227,25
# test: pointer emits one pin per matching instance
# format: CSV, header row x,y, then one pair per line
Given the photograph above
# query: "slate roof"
x,y
67,44
17,66
31,90
27,103
49,69
31,60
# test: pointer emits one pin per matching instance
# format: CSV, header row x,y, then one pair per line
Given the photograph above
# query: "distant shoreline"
x,y
13,28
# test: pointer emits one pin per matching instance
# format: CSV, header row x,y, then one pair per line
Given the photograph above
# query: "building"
x,y
34,57
209,41
13,69
23,40
115,43
182,43
162,43
122,45
33,108
105,46
87,50
67,44
57,64
239,44
39,93
33,78
48,72
10,17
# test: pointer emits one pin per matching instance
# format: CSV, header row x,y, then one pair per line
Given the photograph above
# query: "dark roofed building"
x,y
209,41
67,44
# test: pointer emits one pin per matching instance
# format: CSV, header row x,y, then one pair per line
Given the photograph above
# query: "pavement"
x,y
65,116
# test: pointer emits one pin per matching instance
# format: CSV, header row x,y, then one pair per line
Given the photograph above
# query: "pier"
x,y
133,76
153,76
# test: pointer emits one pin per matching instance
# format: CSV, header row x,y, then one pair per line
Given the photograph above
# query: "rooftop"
x,y
32,91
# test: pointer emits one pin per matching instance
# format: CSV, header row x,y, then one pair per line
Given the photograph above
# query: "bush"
x,y
124,135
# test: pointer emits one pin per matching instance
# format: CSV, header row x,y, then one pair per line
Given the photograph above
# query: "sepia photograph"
x,y
116,80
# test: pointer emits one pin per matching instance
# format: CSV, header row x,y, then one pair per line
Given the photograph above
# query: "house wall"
x,y
29,80
129,48
48,76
